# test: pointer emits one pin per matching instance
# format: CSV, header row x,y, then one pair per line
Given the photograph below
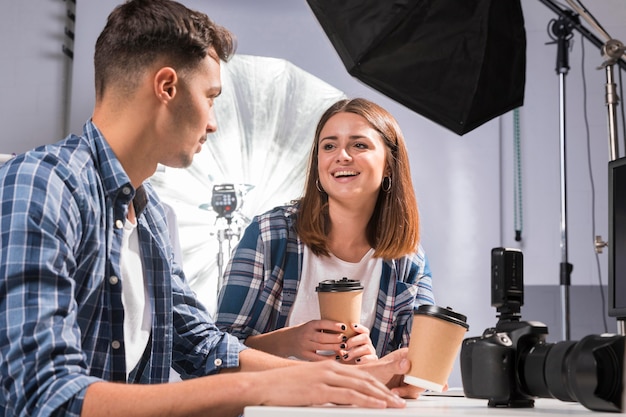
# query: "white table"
x,y
433,406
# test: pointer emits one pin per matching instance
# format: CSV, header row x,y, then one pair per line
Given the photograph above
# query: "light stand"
x,y
222,235
613,51
562,29
226,201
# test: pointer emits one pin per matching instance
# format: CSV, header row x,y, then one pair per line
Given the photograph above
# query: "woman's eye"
x,y
360,145
327,146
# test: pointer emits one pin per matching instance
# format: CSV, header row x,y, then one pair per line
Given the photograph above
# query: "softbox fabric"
x,y
459,63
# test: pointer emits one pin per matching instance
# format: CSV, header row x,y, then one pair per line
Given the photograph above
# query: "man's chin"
x,y
183,162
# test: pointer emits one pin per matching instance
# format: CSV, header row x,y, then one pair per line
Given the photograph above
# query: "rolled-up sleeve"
x,y
200,348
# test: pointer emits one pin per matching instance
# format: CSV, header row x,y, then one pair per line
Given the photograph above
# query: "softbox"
x,y
459,63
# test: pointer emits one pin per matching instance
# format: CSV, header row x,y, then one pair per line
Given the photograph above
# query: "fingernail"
x,y
356,325
345,356
344,338
358,360
343,327
342,346
337,357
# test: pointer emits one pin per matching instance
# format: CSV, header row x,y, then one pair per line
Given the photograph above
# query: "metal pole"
x,y
612,51
562,29
565,267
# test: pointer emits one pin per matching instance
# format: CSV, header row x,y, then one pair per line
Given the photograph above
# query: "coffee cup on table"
x,y
436,337
340,300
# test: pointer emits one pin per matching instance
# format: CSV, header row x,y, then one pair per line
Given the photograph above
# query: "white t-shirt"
x,y
135,298
316,269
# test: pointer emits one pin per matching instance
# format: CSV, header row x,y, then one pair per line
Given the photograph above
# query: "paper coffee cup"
x,y
436,337
340,300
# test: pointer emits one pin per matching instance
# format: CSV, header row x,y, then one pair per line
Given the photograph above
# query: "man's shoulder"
x,y
66,158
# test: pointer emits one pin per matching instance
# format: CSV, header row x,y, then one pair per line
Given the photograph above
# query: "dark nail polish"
x,y
358,360
342,346
337,357
356,325
344,338
345,356
343,327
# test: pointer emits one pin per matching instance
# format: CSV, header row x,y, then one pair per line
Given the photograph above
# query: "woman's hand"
x,y
317,340
359,348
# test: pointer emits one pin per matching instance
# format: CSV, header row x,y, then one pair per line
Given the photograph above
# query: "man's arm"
x,y
227,394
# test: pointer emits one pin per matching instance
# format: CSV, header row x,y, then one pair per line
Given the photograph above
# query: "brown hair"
x,y
140,32
393,229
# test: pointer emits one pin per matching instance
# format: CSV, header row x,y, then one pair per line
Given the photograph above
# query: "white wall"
x,y
463,184
33,70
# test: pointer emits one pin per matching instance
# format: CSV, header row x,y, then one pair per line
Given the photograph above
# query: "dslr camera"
x,y
511,364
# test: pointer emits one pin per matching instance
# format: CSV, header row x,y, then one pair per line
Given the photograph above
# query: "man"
x,y
93,311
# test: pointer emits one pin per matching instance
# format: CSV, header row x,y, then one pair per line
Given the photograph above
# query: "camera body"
x,y
511,364
490,363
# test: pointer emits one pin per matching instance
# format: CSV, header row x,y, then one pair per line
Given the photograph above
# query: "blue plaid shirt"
x,y
262,276
62,208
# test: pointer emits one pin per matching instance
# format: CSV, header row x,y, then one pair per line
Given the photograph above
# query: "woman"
x,y
358,218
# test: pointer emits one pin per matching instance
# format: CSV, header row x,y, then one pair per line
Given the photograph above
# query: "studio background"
x,y
464,185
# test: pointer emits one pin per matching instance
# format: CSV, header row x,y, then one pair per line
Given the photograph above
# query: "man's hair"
x,y
139,33
393,229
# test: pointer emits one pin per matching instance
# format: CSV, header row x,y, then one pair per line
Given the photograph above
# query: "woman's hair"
x,y
139,33
393,229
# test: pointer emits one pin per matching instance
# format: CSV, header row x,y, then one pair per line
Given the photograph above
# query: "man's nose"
x,y
211,126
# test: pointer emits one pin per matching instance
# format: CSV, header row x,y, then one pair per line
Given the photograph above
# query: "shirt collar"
x,y
113,176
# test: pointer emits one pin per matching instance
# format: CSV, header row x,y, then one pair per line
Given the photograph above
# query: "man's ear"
x,y
165,82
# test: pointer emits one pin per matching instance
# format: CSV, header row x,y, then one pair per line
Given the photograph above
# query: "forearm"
x,y
216,395
251,360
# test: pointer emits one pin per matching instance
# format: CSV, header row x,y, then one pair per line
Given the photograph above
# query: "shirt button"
x,y
116,344
217,362
113,280
126,190
119,224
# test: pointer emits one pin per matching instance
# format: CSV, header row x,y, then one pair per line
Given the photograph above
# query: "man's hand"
x,y
390,370
316,383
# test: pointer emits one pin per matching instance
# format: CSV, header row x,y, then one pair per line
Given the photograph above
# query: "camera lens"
x,y
545,371
589,371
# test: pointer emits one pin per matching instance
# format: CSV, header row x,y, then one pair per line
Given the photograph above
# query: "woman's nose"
x,y
343,155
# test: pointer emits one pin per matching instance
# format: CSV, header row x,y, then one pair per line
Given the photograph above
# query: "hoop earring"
x,y
386,184
317,185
